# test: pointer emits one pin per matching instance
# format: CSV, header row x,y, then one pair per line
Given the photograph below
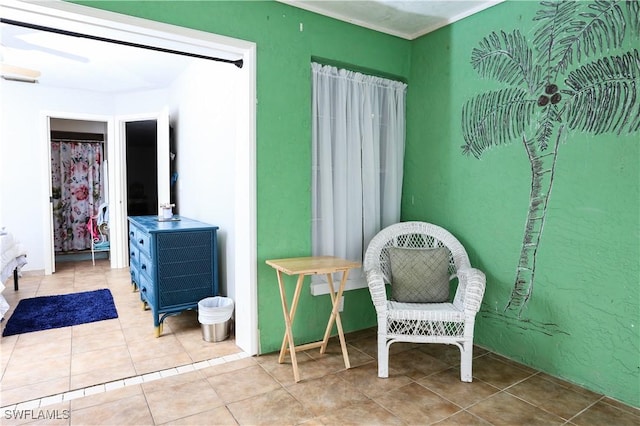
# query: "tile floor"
x,y
116,372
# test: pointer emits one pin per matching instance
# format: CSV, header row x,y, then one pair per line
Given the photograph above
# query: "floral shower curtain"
x,y
77,184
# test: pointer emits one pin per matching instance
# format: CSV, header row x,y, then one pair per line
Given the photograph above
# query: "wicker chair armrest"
x,y
375,281
473,281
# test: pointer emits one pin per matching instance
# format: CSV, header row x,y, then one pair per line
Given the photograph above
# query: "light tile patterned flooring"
x,y
116,372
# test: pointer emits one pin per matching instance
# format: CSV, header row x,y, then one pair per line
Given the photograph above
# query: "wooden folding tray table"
x,y
303,266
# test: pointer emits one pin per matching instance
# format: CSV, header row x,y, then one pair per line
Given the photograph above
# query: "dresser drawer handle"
x,y
133,254
143,267
141,242
131,234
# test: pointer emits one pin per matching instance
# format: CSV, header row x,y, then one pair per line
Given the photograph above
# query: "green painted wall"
x,y
587,273
284,132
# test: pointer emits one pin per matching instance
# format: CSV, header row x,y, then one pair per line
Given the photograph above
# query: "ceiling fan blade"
x,y
15,70
18,38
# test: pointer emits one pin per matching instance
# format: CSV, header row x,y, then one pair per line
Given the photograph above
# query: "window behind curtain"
x,y
358,135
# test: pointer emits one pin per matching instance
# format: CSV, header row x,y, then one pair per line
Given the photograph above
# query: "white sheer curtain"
x,y
358,136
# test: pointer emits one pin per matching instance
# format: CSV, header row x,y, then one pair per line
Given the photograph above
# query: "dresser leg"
x,y
159,330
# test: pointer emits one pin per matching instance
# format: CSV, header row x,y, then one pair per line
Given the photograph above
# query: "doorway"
x,y
79,177
142,167
242,239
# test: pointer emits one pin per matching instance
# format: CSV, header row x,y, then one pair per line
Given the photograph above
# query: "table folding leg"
x,y
288,321
335,316
288,344
311,266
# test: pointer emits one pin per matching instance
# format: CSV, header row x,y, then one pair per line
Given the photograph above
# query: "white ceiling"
x,y
72,62
80,63
406,19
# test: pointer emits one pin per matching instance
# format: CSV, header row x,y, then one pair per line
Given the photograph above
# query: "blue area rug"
x,y
47,312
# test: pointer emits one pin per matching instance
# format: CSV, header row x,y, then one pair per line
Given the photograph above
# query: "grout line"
x,y
569,420
120,383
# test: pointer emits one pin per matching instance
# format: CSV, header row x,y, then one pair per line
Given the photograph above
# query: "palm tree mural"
x,y
561,81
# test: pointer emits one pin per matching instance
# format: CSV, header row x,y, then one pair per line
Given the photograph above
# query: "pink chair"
x,y
98,227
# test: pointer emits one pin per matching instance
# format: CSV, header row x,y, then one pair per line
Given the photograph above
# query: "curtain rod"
x,y
72,136
238,63
59,140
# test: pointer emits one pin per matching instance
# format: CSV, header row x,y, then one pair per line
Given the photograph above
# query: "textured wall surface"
x,y
581,318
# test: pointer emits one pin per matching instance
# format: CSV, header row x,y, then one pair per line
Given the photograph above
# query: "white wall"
x,y
202,105
24,162
203,113
141,103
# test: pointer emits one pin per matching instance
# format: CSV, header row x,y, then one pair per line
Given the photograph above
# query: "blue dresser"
x,y
174,264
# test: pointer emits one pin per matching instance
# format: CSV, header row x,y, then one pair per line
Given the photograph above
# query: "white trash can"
x,y
214,314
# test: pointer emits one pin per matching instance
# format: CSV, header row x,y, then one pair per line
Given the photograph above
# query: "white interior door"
x,y
164,183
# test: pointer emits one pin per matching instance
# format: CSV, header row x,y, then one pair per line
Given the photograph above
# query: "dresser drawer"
x,y
135,272
134,254
143,242
146,265
132,232
146,290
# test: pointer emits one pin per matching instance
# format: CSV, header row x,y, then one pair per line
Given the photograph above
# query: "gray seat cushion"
x,y
419,275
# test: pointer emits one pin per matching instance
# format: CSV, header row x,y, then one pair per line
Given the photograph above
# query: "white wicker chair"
x,y
449,323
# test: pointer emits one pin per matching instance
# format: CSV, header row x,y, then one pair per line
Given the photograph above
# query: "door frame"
x,y
118,189
45,121
82,19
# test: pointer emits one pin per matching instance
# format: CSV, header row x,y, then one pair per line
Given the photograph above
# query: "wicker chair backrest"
x,y
413,235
